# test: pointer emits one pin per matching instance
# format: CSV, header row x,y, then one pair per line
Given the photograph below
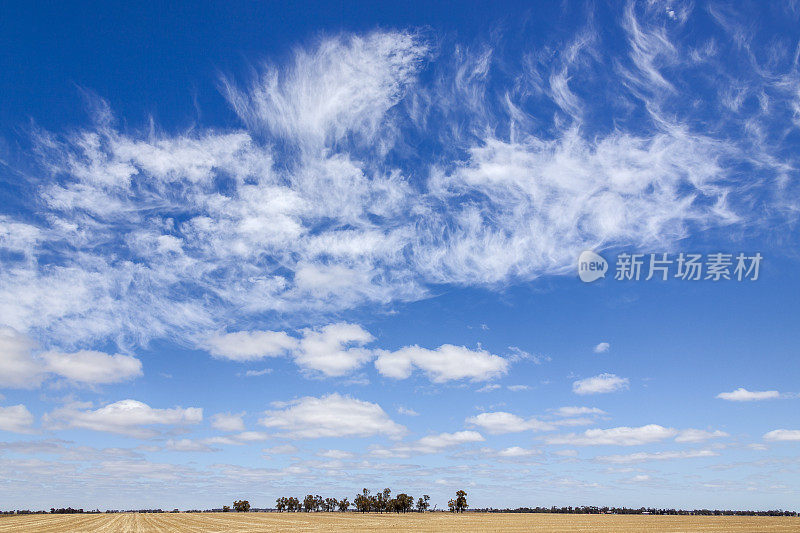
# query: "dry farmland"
x,y
353,522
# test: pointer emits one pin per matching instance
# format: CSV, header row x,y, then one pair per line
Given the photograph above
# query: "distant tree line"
x,y
384,502
365,502
589,509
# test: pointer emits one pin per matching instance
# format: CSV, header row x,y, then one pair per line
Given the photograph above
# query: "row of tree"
x,y
366,502
591,509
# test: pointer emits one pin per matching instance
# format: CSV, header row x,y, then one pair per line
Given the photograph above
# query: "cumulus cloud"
x,y
250,345
125,417
600,384
500,422
228,422
281,449
88,366
698,435
16,419
430,444
619,436
333,350
332,415
17,368
20,367
643,457
446,363
187,445
603,347
517,451
338,349
578,411
784,435
744,395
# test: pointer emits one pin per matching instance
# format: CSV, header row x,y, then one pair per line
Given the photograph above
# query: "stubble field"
x,y
353,522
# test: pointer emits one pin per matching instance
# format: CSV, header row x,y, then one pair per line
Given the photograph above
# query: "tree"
x,y
423,503
319,503
403,503
461,501
363,501
293,504
330,504
452,505
241,506
280,503
226,509
309,502
344,504
382,500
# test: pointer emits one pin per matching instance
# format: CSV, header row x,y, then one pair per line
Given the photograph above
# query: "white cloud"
x,y
345,85
336,454
256,373
744,395
228,422
332,415
125,417
619,436
88,366
281,449
783,435
445,363
435,443
346,220
430,444
566,453
187,445
16,419
499,422
338,349
21,368
518,388
578,411
698,435
642,457
517,451
406,411
17,368
251,436
250,345
333,350
603,347
600,384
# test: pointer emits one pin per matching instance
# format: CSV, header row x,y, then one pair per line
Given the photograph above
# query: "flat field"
x,y
355,522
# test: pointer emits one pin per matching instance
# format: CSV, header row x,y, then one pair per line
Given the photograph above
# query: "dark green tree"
x,y
309,502
461,501
423,503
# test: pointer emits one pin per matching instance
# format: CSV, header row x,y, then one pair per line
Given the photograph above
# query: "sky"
x,y
256,250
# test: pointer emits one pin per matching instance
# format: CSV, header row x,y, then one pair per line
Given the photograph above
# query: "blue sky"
x,y
268,250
